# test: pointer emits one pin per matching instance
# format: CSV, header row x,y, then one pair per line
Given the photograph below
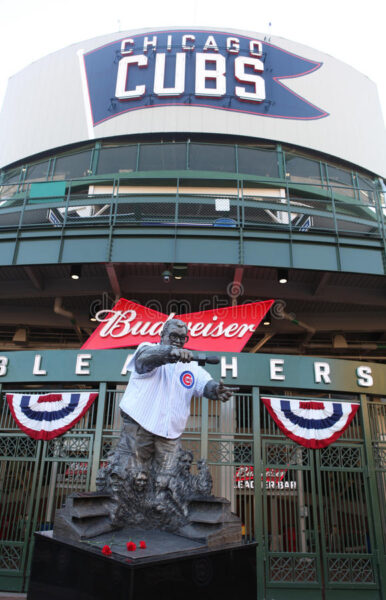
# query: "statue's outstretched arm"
x,y
151,357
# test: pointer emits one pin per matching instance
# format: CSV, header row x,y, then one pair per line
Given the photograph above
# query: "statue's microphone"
x,y
203,359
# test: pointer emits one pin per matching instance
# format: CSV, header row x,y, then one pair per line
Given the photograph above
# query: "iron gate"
x,y
318,515
319,520
35,478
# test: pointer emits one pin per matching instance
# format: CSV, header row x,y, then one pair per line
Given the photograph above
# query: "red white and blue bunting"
x,y
311,424
46,416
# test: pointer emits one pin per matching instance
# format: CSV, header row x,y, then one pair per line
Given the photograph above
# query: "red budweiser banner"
x,y
223,329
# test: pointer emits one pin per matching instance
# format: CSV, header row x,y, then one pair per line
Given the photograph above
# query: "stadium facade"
x,y
191,169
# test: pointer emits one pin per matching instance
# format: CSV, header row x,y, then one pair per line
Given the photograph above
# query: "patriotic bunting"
x,y
44,417
311,424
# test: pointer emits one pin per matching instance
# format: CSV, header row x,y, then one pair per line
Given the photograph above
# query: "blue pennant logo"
x,y
196,68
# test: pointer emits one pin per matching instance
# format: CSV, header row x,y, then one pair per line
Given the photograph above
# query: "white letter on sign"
x,y
124,44
124,368
152,43
365,379
185,39
123,75
240,63
210,44
255,48
83,364
179,78
233,45
217,75
322,372
3,365
232,367
276,369
37,364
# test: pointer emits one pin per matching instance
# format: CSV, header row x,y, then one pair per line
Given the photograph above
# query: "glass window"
x,y
12,176
208,157
302,169
257,161
340,176
37,172
160,157
343,180
117,160
73,165
7,191
366,189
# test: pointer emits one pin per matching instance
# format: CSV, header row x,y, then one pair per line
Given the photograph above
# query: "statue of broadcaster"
x,y
148,473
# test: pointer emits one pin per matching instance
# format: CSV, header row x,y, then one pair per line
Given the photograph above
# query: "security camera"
x,y
166,276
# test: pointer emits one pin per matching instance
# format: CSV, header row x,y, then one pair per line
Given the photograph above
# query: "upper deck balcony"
x,y
268,205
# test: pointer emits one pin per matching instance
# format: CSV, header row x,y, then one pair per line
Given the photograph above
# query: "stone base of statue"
x,y
170,567
208,519
132,495
150,531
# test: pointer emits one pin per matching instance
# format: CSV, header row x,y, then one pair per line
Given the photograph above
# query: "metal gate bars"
x,y
319,523
318,515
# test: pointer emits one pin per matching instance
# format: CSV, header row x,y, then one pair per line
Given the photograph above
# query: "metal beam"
x,y
235,290
35,277
113,278
323,279
132,286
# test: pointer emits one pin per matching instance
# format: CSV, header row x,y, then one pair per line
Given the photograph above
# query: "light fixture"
x,y
339,342
267,321
166,276
76,271
179,270
20,336
282,275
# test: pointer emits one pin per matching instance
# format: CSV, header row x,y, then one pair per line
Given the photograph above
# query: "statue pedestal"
x,y
170,568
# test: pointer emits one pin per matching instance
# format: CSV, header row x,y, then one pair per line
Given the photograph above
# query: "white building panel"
x,y
311,99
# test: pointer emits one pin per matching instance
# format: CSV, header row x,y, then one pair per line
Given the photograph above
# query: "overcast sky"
x,y
350,30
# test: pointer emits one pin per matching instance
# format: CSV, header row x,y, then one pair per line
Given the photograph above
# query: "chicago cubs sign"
x,y
196,68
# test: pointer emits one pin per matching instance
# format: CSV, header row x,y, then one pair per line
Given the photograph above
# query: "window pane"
x,y
36,172
256,161
367,189
161,157
344,180
336,175
12,176
302,169
73,165
117,160
207,157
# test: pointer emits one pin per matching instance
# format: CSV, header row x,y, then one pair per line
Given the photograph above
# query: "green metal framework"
x,y
295,210
318,515
301,228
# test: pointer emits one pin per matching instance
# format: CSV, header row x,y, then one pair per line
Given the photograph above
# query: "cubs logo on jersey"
x,y
187,379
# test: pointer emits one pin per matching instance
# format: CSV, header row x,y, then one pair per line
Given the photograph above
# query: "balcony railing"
x,y
282,209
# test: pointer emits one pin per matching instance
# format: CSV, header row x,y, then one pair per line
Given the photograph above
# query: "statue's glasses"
x,y
174,337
